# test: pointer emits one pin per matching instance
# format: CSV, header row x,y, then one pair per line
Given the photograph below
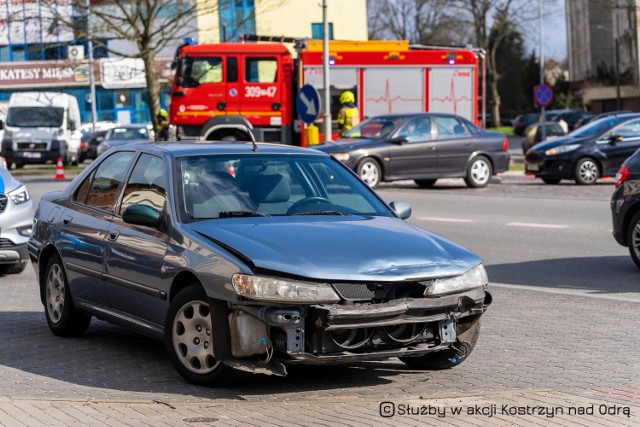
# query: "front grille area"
x,y
32,146
3,202
6,243
379,292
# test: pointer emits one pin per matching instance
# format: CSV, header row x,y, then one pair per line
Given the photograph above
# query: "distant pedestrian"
x,y
563,124
349,115
162,128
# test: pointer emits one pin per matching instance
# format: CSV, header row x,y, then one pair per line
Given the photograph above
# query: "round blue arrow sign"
x,y
308,103
543,95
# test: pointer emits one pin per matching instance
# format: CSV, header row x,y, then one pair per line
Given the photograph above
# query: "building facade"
x,y
602,40
42,45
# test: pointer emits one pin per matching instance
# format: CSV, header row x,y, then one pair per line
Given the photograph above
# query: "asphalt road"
x,y
558,346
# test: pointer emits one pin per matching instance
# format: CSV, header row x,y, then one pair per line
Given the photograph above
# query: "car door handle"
x,y
112,236
67,220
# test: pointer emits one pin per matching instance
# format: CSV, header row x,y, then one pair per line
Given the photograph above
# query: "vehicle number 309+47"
x,y
258,92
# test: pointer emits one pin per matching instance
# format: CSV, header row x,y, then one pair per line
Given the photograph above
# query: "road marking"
x,y
527,224
446,219
572,292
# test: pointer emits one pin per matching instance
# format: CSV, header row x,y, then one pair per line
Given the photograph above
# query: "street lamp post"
x,y
616,61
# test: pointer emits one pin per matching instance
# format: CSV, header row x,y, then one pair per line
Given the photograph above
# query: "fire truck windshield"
x,y
197,71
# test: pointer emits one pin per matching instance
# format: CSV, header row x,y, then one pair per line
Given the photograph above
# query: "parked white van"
x,y
40,127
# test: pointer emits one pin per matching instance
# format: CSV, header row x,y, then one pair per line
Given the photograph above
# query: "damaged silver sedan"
x,y
248,257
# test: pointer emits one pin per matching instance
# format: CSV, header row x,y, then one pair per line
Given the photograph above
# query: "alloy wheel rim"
x,y
369,174
192,340
480,171
635,240
588,171
55,293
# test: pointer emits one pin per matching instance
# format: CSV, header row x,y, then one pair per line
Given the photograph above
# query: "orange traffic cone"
x,y
59,169
231,170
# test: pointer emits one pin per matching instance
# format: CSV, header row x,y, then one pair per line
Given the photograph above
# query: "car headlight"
x,y
282,290
473,278
561,149
19,196
343,157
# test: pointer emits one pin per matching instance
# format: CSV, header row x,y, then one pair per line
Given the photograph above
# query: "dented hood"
x,y
340,248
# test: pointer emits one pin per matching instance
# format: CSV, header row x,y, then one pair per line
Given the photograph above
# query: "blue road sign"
x,y
543,95
308,103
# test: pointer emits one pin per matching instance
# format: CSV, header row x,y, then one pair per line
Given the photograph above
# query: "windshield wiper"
x,y
238,214
322,213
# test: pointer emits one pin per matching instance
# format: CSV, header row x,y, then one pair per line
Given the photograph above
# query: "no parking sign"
x,y
543,95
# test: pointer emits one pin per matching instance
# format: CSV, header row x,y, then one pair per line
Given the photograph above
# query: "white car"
x,y
16,221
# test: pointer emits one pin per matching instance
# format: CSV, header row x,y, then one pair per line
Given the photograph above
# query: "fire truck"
x,y
247,90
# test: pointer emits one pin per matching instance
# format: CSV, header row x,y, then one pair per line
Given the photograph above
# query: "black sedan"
x,y
89,144
422,147
242,257
625,206
588,153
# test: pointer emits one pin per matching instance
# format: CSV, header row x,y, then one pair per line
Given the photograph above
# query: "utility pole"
x,y
325,67
543,118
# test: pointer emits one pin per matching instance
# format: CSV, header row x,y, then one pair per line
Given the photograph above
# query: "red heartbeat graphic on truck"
x,y
389,100
451,98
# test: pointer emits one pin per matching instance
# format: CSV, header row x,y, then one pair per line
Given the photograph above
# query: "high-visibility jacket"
x,y
348,118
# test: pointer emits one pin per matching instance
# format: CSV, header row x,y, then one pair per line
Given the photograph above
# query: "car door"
x,y
135,254
617,150
416,156
454,144
84,226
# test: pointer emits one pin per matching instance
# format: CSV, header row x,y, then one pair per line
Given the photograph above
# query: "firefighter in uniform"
x,y
348,116
162,129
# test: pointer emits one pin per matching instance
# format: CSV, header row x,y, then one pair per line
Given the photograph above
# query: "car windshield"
x,y
121,134
270,185
377,127
35,117
597,127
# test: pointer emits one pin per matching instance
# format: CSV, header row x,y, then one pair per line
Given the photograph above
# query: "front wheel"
x,y
62,316
189,340
633,238
586,171
369,171
468,330
479,172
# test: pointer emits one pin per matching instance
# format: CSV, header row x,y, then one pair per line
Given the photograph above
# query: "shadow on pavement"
x,y
613,274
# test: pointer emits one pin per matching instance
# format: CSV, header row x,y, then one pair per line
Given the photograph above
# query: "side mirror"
x,y
142,215
402,209
401,139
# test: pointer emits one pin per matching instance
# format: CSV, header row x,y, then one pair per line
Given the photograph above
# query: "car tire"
x,y
188,340
551,181
369,171
62,316
468,332
15,268
586,171
425,183
479,172
633,238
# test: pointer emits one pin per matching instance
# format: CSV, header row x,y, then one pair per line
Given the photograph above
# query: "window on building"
x,y
237,17
318,33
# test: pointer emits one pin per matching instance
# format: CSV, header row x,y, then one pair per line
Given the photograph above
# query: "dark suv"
x,y
625,206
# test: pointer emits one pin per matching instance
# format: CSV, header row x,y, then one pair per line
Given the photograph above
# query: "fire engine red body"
x,y
251,88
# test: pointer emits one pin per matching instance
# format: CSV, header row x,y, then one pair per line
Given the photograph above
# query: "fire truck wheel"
x,y
369,171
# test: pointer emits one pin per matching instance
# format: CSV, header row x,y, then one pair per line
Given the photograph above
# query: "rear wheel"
x,y
479,172
369,171
189,340
425,183
633,238
586,171
62,316
468,332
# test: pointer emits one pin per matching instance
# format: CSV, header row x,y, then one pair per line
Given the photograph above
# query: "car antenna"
x,y
253,141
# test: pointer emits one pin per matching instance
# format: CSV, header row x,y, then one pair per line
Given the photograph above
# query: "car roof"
x,y
179,149
410,115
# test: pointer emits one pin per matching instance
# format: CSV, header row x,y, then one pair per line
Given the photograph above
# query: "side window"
x,y
198,71
103,188
147,184
261,70
628,130
232,69
418,129
449,127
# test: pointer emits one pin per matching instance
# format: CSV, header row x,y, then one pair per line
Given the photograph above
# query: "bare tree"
x,y
419,21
